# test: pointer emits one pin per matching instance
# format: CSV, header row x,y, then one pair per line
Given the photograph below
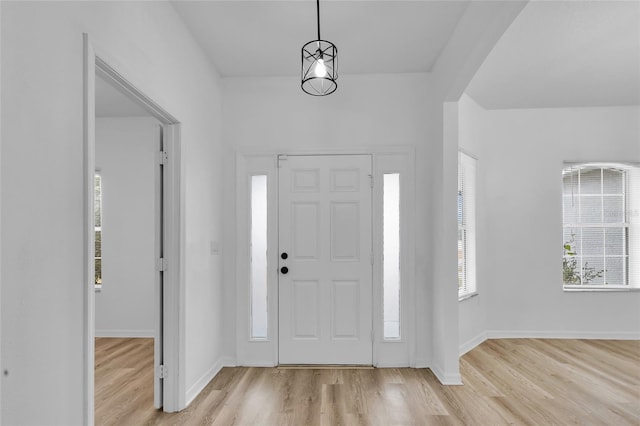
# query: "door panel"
x,y
325,296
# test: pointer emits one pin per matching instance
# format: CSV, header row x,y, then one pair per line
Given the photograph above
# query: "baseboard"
x,y
229,362
542,334
391,365
421,363
258,364
204,380
125,333
446,379
472,343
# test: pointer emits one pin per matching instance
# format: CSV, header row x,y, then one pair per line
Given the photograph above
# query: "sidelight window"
x,y
258,261
391,255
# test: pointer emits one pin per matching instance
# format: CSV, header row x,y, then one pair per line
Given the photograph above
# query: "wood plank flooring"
x,y
510,381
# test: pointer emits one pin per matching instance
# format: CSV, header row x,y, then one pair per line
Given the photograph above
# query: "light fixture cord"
x,y
318,9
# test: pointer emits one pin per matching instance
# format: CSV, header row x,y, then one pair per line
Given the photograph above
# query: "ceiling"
x,y
112,103
564,54
555,53
264,38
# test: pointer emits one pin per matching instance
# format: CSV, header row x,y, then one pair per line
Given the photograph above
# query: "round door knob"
x,y
284,269
284,255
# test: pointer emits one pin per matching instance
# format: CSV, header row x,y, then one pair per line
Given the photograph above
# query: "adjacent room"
x,y
320,212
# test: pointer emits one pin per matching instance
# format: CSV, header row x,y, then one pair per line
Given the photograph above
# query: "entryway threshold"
x,y
324,367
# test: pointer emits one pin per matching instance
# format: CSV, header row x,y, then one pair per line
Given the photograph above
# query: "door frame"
x,y
98,62
386,159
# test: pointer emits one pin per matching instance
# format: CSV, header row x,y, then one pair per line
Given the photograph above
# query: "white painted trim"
x,y
472,343
401,352
362,150
125,333
88,290
549,334
256,352
174,300
422,363
510,334
446,379
385,159
204,380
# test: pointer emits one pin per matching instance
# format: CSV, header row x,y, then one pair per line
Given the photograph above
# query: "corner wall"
x,y
521,154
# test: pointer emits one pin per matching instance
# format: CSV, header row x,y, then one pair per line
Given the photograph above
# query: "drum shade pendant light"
x,y
319,65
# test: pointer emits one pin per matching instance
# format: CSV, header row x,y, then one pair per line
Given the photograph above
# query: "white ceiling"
x,y
555,54
264,38
564,54
112,103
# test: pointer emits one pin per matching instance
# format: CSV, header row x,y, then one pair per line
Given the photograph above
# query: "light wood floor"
x,y
512,381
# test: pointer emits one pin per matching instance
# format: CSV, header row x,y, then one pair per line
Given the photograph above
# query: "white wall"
x,y
274,114
42,168
476,34
375,110
126,151
0,217
521,154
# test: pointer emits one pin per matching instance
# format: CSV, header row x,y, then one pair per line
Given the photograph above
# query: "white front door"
x,y
325,260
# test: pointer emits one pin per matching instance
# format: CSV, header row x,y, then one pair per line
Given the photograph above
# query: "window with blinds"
x,y
600,215
97,223
466,225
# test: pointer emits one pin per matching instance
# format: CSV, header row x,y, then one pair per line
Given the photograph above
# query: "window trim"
x,y
625,166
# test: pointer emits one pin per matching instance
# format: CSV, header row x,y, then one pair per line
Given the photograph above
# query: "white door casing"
x,y
325,228
171,299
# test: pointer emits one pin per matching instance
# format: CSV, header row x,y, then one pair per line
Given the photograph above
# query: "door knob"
x,y
284,255
284,269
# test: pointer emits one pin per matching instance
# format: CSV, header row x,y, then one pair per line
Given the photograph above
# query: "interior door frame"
x,y
98,62
386,159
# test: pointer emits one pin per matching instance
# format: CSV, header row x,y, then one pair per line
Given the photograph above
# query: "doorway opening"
x,y
128,240
142,177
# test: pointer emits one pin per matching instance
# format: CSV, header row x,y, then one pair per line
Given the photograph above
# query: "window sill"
x,y
467,296
598,288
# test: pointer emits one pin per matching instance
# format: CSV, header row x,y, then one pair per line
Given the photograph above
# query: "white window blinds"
x,y
601,242
97,223
466,225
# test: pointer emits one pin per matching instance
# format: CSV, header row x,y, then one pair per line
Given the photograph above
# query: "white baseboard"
x,y
421,363
542,334
391,365
257,364
204,380
446,379
125,333
472,343
229,362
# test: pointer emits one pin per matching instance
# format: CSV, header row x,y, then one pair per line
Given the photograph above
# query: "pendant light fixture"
x,y
319,65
